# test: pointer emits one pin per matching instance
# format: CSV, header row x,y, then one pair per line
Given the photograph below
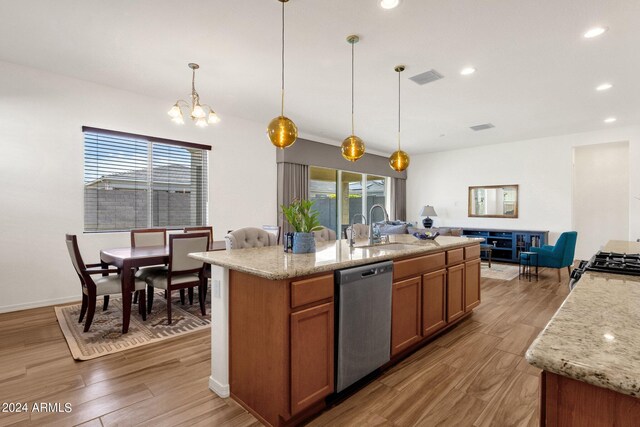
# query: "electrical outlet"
x,y
216,288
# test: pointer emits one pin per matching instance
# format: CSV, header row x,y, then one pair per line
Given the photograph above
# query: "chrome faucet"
x,y
375,239
352,233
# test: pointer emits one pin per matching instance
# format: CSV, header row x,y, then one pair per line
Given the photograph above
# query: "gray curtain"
x,y
293,183
399,199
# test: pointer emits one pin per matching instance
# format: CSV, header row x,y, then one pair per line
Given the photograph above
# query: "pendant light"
x,y
352,146
399,160
281,130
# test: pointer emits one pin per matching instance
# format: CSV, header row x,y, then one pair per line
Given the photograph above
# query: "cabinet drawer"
x,y
455,256
418,266
311,290
472,252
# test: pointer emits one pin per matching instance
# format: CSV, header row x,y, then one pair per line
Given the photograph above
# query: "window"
x,y
134,181
356,194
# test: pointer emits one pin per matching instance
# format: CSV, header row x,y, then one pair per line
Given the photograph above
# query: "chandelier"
x,y
202,114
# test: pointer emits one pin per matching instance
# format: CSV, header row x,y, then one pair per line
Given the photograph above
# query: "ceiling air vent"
x,y
427,77
482,127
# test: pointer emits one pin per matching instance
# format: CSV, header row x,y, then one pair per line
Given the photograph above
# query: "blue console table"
x,y
507,244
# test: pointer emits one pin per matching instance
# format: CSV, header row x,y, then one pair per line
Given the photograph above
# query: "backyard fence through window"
x,y
135,181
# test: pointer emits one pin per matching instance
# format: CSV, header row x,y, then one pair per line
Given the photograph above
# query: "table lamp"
x,y
428,211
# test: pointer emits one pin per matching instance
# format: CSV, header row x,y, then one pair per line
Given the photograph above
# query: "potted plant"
x,y
304,221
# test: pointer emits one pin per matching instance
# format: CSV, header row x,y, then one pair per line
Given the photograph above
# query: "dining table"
x,y
129,259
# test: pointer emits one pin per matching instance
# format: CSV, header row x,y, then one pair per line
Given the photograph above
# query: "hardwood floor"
x,y
475,375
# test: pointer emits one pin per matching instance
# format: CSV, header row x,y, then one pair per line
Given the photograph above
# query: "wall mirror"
x,y
493,201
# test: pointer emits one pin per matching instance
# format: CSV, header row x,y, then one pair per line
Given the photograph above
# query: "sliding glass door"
x,y
340,195
323,192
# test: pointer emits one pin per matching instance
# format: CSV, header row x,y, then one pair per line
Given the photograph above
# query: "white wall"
x,y
41,175
600,195
541,167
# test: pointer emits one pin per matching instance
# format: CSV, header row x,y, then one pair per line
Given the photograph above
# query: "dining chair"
x,y
249,237
324,235
147,237
203,229
183,272
207,267
105,285
274,229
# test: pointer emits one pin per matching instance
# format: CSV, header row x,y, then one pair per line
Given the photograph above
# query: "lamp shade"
x,y
428,211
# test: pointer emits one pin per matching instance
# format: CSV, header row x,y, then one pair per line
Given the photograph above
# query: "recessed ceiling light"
x,y
467,71
595,32
389,4
610,120
604,86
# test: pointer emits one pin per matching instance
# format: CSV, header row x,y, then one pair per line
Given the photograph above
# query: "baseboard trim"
x,y
221,390
38,304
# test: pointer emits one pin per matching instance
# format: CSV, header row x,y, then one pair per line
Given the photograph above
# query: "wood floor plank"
x,y
484,382
475,374
518,339
516,404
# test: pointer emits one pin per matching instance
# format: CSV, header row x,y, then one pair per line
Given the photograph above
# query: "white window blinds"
x,y
135,181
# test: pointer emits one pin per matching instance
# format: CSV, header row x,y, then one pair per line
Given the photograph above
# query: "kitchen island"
x,y
273,315
590,352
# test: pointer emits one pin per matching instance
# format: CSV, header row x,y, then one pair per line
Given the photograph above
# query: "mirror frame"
x,y
515,214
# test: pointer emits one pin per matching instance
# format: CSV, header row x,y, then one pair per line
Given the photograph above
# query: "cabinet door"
x,y
471,284
311,356
405,314
434,314
455,292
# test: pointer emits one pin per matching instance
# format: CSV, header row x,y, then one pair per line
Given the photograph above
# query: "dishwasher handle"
x,y
368,273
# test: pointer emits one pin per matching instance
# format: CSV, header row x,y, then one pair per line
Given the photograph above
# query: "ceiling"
x,y
535,76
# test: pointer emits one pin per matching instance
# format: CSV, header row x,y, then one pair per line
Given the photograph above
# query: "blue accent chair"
x,y
559,256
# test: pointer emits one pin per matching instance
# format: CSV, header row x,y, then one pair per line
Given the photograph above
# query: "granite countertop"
x,y
594,336
275,264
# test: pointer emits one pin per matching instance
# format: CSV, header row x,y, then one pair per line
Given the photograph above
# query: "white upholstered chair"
x,y
361,231
183,272
324,235
250,237
107,284
274,229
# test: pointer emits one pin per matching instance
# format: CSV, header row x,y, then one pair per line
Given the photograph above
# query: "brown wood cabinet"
x,y
434,297
311,356
565,402
471,284
405,314
455,292
281,332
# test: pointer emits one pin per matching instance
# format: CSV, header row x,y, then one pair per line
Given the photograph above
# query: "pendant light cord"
x,y
193,89
282,89
399,106
353,132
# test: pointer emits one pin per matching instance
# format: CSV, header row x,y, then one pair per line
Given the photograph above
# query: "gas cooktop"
x,y
612,262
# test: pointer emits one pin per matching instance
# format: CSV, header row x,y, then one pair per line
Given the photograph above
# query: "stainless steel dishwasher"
x,y
363,321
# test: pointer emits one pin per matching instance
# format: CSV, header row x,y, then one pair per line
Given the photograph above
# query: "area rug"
x,y
105,336
500,271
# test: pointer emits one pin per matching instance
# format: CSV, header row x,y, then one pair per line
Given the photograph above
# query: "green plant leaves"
x,y
301,216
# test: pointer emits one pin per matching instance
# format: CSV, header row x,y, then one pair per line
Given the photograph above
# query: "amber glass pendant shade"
x,y
352,148
282,132
399,161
